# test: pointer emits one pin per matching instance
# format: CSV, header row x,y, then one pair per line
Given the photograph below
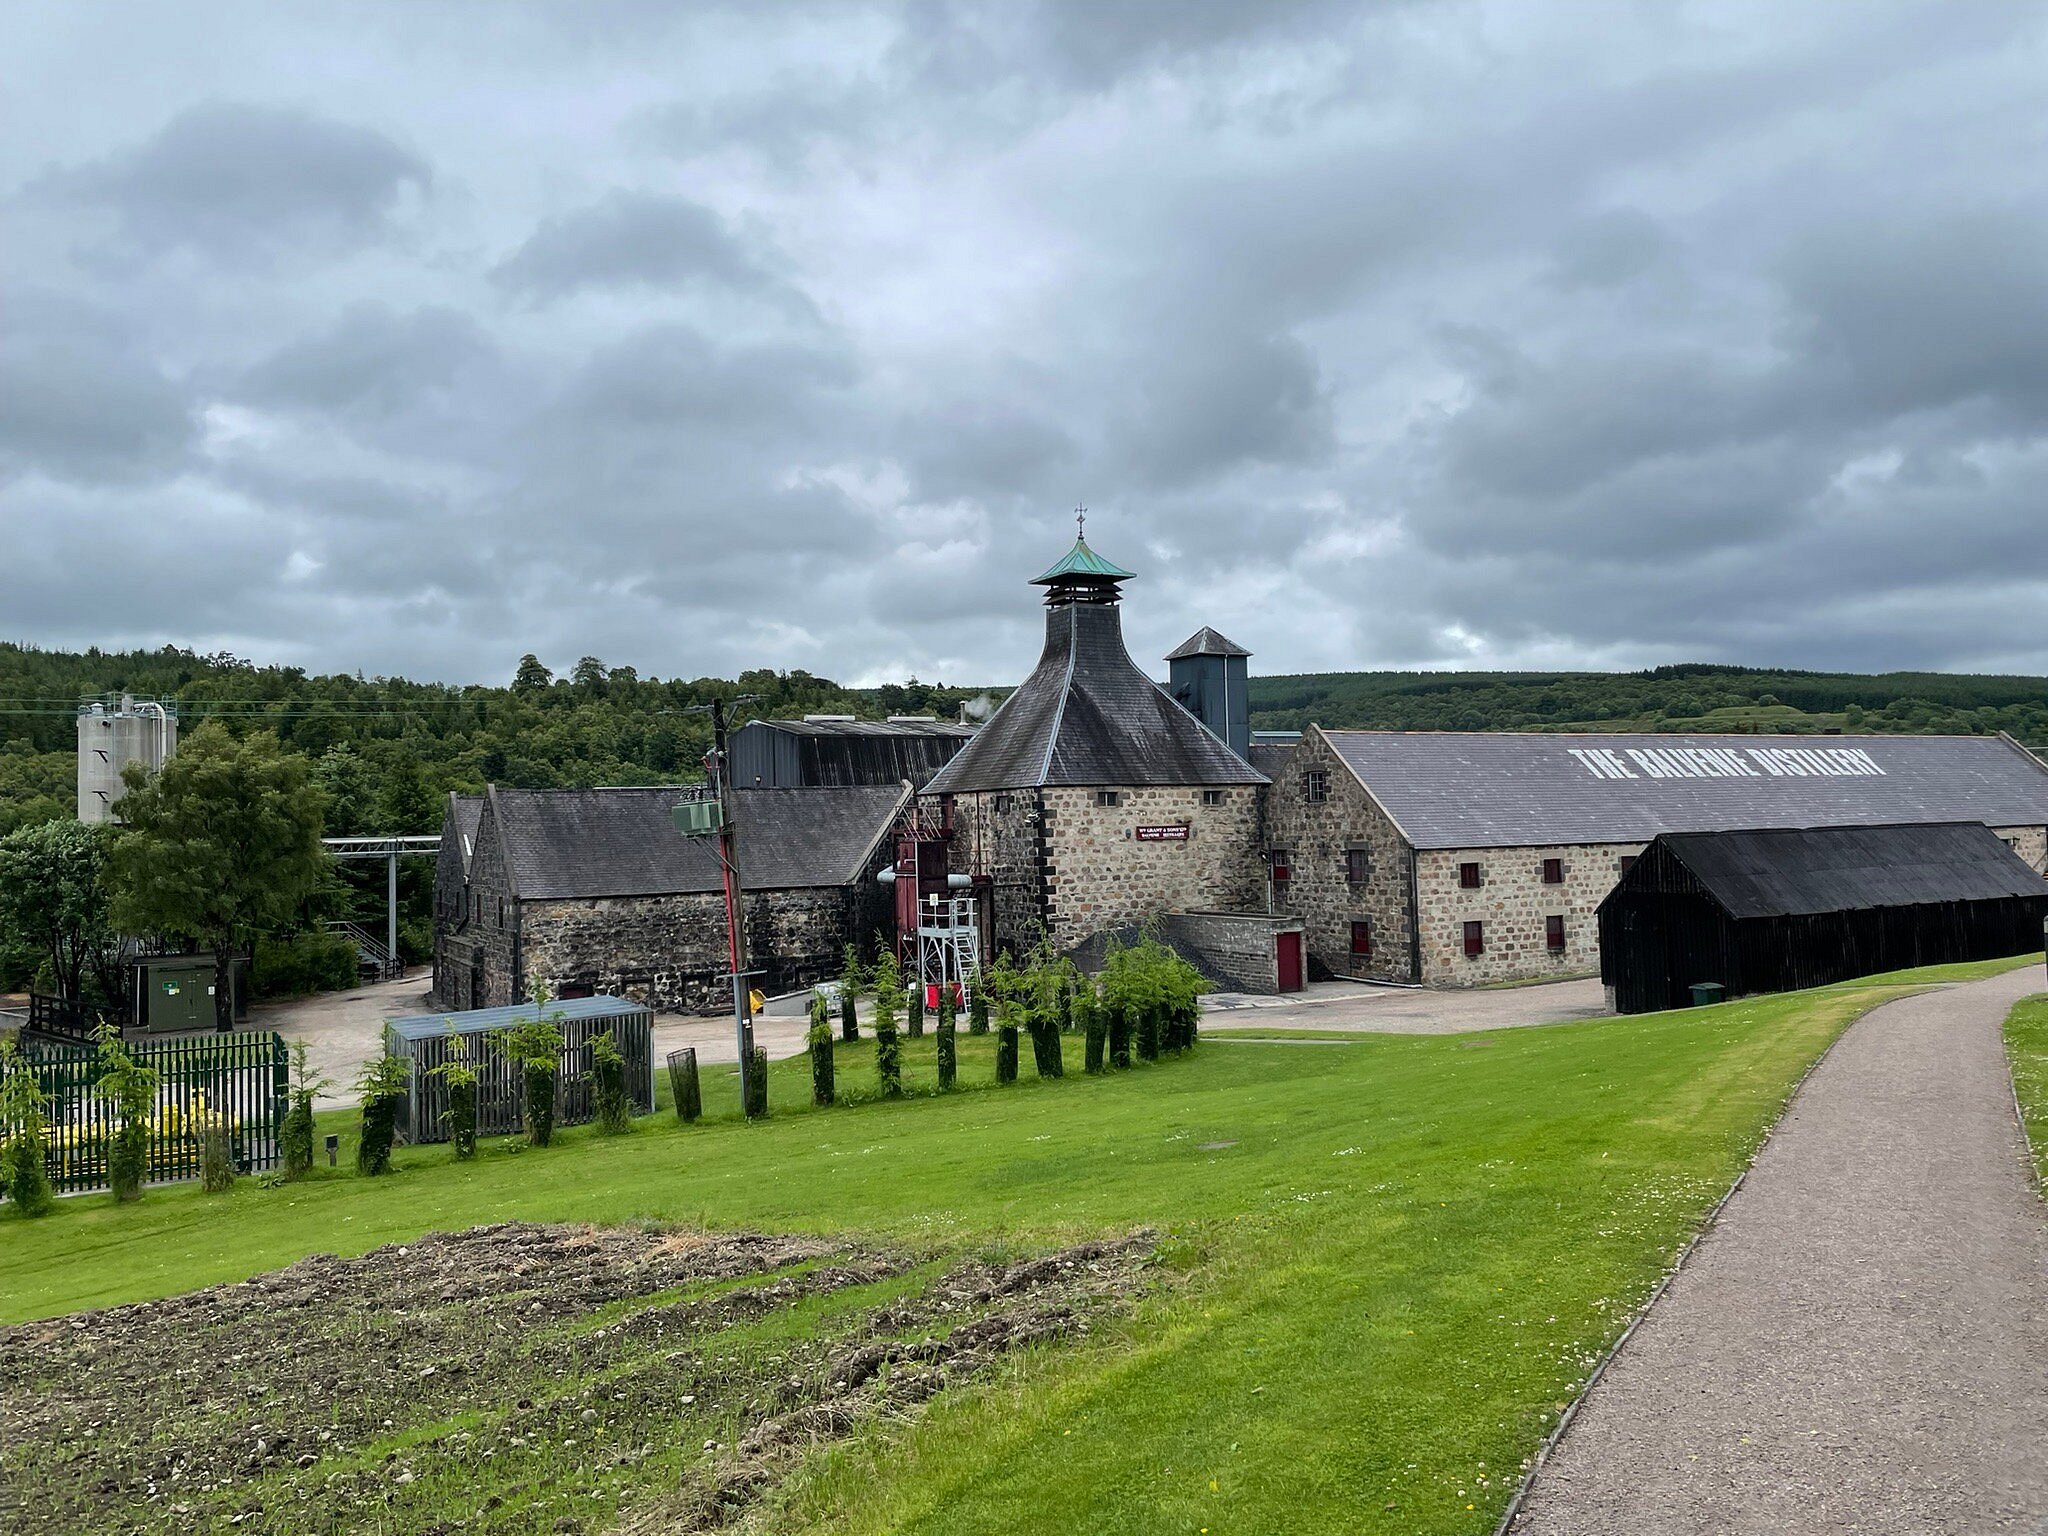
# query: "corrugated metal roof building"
x,y
1460,858
1776,909
830,752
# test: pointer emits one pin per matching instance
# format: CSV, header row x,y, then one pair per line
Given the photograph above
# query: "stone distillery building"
x,y
1093,801
1454,858
594,891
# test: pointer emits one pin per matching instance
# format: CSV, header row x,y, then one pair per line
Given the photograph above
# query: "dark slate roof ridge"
x,y
1039,738
1206,642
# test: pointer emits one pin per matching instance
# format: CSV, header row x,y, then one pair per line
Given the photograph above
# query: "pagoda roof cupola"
x,y
1082,576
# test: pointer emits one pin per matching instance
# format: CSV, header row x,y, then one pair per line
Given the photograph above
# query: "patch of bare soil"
x,y
512,1378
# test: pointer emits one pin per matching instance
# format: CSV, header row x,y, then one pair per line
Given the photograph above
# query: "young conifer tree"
x,y
851,980
888,1049
1006,1041
819,1042
915,1016
977,1008
947,1047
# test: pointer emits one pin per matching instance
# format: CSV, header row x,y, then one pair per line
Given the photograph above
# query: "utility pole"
x,y
735,918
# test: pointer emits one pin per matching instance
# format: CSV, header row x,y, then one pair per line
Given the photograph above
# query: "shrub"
x,y
1154,995
1148,1032
820,1042
1066,1005
295,1136
131,1088
947,1048
757,1084
308,962
977,1009
915,1015
536,1045
851,983
22,1108
608,1086
383,1085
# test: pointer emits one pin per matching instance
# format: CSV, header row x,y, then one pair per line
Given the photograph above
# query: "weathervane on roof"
x,y
1080,522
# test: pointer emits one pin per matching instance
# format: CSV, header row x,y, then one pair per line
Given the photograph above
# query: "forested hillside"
x,y
387,750
1680,698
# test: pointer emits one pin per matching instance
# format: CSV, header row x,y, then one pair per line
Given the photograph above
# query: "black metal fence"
x,y
241,1077
500,1087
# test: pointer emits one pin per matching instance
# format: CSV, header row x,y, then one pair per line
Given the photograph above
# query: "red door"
x,y
1290,961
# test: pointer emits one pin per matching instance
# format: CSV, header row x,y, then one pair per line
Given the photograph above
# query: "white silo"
x,y
111,735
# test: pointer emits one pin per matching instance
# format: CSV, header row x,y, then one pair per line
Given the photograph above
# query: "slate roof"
x,y
1448,789
1205,642
1788,871
569,843
1087,716
464,812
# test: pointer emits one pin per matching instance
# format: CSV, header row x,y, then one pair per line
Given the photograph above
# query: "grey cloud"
x,y
242,182
85,401
630,239
375,360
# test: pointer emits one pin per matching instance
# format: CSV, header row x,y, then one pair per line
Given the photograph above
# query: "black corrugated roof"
x,y
863,727
563,843
1451,789
1206,642
1781,872
1087,716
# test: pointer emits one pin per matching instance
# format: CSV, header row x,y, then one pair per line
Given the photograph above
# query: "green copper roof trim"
x,y
1083,561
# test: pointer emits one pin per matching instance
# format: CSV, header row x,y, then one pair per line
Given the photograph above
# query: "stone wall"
x,y
1099,875
1319,837
476,937
1511,903
2030,843
1238,951
669,952
1001,835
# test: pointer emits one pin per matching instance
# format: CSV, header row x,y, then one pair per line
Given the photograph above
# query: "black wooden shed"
x,y
1777,909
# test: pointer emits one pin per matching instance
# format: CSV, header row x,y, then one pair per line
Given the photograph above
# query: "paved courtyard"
x,y
345,1029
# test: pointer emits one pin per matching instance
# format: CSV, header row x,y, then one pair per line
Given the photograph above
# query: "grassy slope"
x,y
2026,1047
1397,1270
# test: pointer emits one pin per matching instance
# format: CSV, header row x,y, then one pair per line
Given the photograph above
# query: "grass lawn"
x,y
1395,1261
2026,1048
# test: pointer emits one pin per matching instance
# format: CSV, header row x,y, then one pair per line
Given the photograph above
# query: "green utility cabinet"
x,y
174,993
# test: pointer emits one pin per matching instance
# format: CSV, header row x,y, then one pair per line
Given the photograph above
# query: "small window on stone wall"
x,y
1468,876
1212,797
1315,786
1628,862
1475,939
1357,865
1553,871
1281,862
1108,799
1004,803
1553,932
1361,940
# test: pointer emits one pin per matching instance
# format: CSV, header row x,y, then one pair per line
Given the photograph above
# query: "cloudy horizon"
x,y
408,339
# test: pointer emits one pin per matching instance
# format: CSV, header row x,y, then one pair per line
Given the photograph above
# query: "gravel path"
x,y
1861,1344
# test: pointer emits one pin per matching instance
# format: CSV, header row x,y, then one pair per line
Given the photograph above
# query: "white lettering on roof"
x,y
1728,762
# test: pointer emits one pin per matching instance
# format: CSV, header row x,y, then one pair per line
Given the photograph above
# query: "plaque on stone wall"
x,y
1177,833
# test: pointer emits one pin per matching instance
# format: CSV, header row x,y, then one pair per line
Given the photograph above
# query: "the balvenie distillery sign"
x,y
1177,833
1726,762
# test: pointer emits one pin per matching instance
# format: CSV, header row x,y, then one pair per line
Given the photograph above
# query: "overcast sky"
x,y
408,338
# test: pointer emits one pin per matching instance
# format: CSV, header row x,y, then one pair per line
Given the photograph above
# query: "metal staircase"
x,y
374,956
